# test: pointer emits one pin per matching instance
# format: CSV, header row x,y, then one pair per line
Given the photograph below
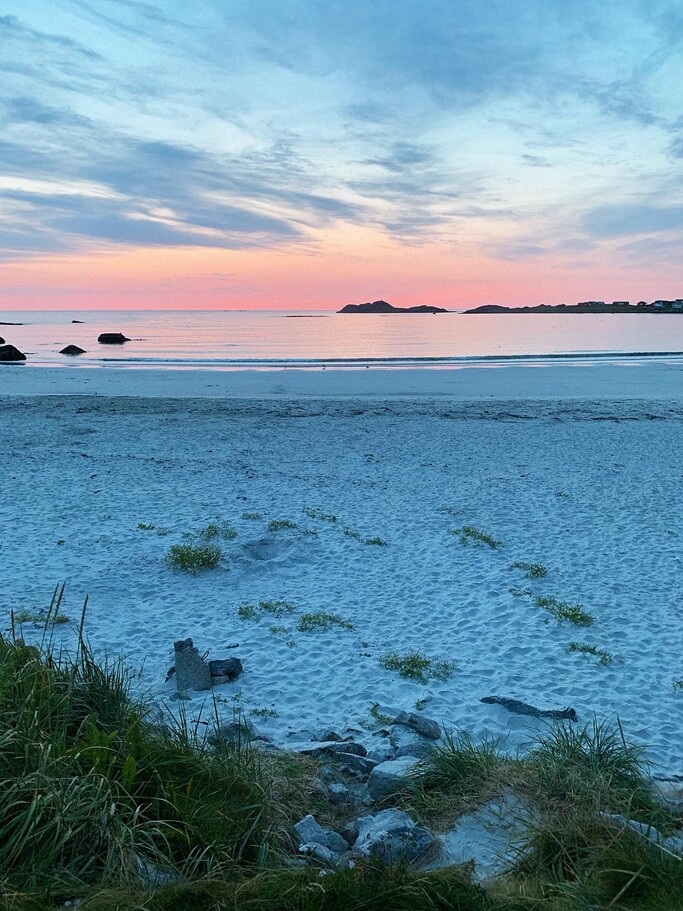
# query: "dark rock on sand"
x,y
228,670
72,349
192,673
112,338
523,708
9,353
2,341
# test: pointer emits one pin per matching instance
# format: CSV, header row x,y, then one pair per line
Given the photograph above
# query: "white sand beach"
x,y
576,468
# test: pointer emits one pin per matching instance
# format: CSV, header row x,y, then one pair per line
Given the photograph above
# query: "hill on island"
x,y
384,307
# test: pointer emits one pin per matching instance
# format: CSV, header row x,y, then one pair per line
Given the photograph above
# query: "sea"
x,y
267,339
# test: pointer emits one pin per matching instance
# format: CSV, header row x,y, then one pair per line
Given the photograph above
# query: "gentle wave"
x,y
387,362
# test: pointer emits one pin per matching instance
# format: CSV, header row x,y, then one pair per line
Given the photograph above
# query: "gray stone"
x,y
382,752
9,353
112,338
72,349
392,836
227,669
329,736
672,843
308,831
236,733
424,726
407,742
389,777
191,672
320,853
492,838
329,748
359,766
338,794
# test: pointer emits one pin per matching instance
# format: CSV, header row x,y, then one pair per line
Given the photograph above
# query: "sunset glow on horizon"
x,y
299,155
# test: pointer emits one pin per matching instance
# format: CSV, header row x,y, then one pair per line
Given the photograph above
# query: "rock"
x,y
491,838
191,672
426,727
320,853
112,338
236,733
672,843
338,794
382,752
407,742
328,736
9,353
670,791
329,748
523,708
308,831
2,341
77,321
72,349
392,836
228,669
391,776
360,766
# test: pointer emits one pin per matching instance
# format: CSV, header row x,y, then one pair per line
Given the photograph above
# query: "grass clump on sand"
x,y
319,515
561,611
416,666
376,541
192,558
280,524
272,608
217,530
602,656
39,618
252,516
531,570
321,620
470,535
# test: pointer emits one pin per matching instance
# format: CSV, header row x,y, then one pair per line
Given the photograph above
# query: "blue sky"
x,y
518,137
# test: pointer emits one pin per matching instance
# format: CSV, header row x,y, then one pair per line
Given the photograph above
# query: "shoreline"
x,y
645,380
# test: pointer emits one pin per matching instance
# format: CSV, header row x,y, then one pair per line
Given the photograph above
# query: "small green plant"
x,y
61,541
143,527
561,495
163,532
40,618
677,687
319,515
252,516
321,620
520,592
276,630
264,713
350,533
470,535
416,666
273,608
458,763
602,656
378,542
561,611
218,529
279,524
192,558
531,570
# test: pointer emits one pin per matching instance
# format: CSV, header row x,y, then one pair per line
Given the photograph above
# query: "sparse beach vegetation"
x,y
40,618
143,526
217,529
531,570
468,534
280,524
319,514
376,542
350,533
252,516
677,687
602,656
272,608
416,666
264,713
193,558
562,611
321,620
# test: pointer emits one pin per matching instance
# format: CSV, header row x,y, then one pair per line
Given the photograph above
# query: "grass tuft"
x,y
319,515
279,524
531,570
470,535
602,656
416,666
192,558
321,620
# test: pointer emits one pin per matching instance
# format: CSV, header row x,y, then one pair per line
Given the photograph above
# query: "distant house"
x,y
661,305
677,305
591,304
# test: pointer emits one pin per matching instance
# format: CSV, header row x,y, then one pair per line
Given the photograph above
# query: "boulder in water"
x,y
72,349
8,354
112,338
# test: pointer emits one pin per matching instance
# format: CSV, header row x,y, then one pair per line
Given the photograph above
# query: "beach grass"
x,y
193,558
531,570
468,534
321,620
603,657
280,524
416,666
318,514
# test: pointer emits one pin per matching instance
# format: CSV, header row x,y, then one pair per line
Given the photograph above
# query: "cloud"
x,y
632,218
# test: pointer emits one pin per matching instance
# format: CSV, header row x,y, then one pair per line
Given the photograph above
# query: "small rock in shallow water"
x,y
9,354
72,349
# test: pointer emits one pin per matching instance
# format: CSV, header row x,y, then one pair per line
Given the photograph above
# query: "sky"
x,y
303,154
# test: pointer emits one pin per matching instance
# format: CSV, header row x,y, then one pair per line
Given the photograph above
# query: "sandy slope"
x,y
592,490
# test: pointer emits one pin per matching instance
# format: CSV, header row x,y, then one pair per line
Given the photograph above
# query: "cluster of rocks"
x,y
193,672
10,354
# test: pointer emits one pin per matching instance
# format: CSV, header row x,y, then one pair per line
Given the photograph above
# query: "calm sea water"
x,y
232,339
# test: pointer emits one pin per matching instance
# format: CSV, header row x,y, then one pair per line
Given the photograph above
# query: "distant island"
x,y
384,307
658,306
